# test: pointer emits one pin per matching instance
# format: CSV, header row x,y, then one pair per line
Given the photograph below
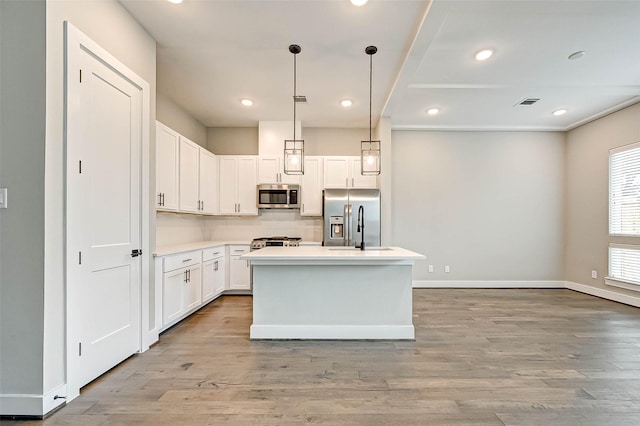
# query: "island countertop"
x,y
332,255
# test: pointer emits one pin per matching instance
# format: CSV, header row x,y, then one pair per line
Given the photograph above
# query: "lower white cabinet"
x,y
181,285
213,273
239,269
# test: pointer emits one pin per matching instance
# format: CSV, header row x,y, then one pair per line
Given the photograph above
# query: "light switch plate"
x,y
3,198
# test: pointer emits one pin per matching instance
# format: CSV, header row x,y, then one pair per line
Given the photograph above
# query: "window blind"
x,y
624,190
624,263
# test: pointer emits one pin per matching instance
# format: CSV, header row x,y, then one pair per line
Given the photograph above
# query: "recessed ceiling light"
x,y
175,1
346,103
433,111
247,102
358,2
484,54
559,112
576,55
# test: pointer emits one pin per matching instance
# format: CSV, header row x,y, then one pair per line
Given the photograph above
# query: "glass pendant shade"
x,y
294,157
370,158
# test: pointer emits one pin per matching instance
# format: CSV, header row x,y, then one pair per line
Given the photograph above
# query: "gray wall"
x,y
22,143
317,141
587,197
488,204
171,114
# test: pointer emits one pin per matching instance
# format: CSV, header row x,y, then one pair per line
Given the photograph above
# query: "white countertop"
x,y
199,245
322,255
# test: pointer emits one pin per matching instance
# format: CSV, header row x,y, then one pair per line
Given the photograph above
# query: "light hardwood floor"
x,y
481,357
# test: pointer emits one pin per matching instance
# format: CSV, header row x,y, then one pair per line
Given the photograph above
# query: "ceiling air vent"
x,y
527,102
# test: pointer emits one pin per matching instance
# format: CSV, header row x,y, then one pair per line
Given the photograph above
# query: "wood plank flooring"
x,y
481,357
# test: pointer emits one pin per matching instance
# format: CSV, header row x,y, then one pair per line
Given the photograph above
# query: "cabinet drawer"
x,y
212,253
238,250
181,260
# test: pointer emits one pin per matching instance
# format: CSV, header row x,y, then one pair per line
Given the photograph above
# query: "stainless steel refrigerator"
x,y
340,213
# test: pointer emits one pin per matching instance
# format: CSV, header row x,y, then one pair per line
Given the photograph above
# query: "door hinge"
x,y
80,349
79,258
80,166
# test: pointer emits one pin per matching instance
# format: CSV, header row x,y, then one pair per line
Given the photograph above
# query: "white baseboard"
x,y
487,284
32,404
604,294
333,332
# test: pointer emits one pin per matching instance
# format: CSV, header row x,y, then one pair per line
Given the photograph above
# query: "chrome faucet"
x,y
361,214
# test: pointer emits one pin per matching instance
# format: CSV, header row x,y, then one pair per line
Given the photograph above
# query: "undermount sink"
x,y
365,249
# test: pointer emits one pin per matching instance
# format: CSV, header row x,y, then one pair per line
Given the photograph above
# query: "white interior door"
x,y
104,113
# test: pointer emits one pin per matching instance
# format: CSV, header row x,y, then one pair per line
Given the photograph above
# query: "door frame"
x,y
75,42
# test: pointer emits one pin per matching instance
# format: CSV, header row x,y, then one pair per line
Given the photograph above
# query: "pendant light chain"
x,y
370,90
295,74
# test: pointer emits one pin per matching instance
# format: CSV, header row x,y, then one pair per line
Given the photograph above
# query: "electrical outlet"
x,y
430,268
594,275
3,198
446,269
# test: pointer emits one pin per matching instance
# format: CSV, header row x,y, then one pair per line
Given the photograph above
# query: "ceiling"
x,y
213,53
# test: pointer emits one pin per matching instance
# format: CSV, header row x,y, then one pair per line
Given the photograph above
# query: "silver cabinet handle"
x,y
303,208
217,252
346,181
215,266
239,250
238,207
352,180
187,260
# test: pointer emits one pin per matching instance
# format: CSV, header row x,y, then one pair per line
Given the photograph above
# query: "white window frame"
x,y
616,195
624,279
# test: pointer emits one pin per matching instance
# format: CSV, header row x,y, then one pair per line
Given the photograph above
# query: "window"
x,y
624,190
624,216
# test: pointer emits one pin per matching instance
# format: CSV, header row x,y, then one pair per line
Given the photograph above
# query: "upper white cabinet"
x,y
344,172
311,185
167,142
271,170
237,184
197,178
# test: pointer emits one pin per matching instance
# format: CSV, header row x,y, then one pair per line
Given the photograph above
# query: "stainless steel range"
x,y
263,242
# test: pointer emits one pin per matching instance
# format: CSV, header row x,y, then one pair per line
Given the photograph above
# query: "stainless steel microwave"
x,y
279,196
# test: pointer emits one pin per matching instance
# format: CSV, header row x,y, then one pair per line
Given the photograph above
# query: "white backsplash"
x,y
174,228
269,223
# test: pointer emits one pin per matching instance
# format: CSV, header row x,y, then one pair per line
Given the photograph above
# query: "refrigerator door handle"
x,y
345,224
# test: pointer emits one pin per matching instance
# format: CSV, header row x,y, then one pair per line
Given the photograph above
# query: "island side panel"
x,y
332,302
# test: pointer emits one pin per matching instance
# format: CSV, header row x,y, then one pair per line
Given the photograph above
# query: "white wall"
x,y
488,204
174,116
587,198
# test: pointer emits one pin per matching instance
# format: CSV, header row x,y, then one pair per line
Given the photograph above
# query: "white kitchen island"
x,y
332,293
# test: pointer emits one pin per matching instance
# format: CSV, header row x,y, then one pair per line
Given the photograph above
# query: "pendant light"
x,y
294,148
370,150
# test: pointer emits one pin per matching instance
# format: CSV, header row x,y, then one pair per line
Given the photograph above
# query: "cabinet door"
x,y
268,170
239,270
336,172
311,187
189,175
357,179
193,288
208,280
166,168
208,182
228,185
247,183
218,276
172,288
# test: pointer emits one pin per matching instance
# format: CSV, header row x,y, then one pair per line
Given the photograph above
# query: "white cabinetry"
x,y
271,170
167,142
237,185
311,185
239,269
344,172
181,286
213,272
197,178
